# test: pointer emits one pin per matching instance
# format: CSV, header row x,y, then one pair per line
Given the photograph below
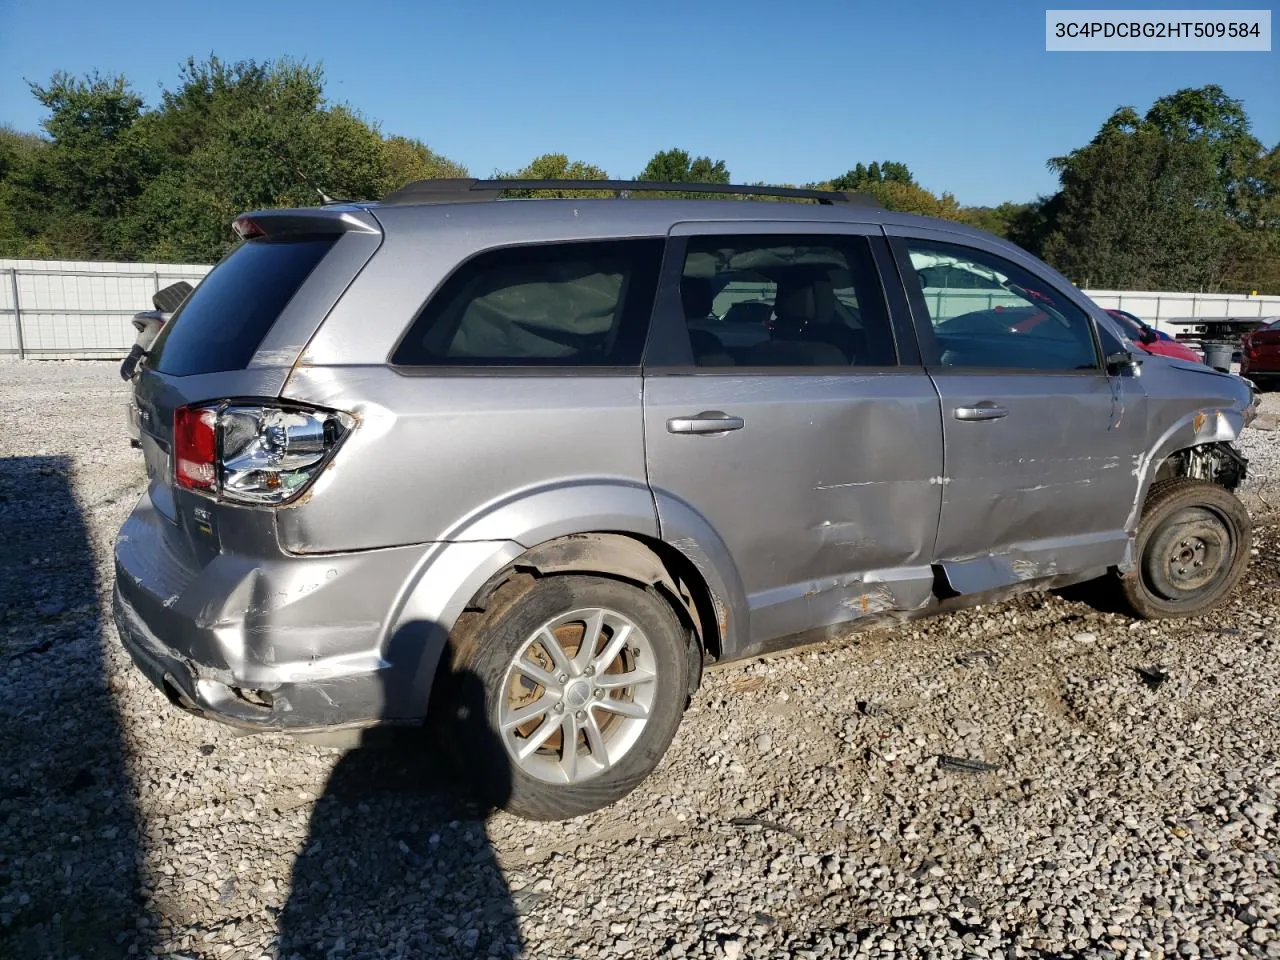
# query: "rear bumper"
x,y
295,707
265,640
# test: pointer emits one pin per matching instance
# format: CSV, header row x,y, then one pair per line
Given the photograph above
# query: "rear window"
x,y
222,324
556,304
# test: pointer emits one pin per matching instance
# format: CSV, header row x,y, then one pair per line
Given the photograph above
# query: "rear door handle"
x,y
986,410
708,421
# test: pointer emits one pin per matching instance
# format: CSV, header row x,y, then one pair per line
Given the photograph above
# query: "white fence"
x,y
1159,308
69,308
81,309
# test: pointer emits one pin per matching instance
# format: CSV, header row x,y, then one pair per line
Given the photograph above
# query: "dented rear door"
x,y
820,482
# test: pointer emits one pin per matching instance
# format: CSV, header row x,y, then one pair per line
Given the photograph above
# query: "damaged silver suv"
x,y
522,467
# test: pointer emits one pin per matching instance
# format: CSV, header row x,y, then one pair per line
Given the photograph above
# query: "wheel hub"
x,y
1188,554
577,695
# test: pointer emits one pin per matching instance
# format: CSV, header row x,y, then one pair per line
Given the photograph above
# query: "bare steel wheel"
x,y
577,695
583,680
1189,552
1193,547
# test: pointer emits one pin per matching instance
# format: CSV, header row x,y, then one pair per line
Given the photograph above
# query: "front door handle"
x,y
986,410
708,421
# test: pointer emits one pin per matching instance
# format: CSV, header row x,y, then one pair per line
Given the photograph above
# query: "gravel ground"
x,y
1128,809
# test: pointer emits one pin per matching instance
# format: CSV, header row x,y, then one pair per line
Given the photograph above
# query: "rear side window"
x,y
559,304
224,321
785,301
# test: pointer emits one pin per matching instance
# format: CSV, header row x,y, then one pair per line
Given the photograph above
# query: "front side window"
x,y
562,304
988,312
785,301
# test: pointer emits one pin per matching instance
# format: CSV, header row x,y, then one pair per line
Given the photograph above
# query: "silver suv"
x,y
521,467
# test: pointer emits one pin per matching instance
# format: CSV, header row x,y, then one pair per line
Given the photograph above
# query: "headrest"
x,y
695,293
804,298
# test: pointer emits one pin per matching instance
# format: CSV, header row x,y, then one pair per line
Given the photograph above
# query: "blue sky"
x,y
963,92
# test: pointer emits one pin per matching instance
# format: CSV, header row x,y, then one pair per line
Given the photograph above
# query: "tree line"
x,y
1183,197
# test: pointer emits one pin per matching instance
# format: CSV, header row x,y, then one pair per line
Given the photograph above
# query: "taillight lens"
x,y
254,453
195,448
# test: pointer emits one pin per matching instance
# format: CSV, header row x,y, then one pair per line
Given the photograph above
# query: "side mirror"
x,y
1123,363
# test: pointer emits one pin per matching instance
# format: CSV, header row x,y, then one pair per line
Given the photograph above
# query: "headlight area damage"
x,y
1219,462
1200,446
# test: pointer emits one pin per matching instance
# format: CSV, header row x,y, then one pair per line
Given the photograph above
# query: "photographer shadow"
x,y
397,861
71,844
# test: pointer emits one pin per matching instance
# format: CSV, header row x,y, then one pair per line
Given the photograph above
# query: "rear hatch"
x,y
236,337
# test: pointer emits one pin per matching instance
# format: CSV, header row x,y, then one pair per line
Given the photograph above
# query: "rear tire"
x,y
1192,547
563,733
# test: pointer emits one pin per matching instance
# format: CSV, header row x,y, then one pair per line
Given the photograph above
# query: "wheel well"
x,y
1218,462
643,561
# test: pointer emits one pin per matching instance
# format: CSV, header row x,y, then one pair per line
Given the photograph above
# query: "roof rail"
x,y
468,190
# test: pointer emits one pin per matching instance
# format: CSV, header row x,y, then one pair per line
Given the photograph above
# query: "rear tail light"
x,y
254,452
195,448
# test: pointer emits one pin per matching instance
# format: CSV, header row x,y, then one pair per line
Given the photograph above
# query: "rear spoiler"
x,y
304,222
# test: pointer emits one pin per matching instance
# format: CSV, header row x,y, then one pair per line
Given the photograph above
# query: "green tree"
x,y
1031,225
677,166
95,167
246,136
405,160
862,175
557,166
997,219
117,180
1139,208
895,193
1206,115
1254,261
23,210
1175,198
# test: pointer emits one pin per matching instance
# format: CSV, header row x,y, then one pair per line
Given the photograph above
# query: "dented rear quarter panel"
x,y
460,458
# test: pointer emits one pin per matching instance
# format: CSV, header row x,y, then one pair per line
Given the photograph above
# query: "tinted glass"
x,y
575,304
222,324
790,301
989,312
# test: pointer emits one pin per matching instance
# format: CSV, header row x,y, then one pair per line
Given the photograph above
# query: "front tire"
x,y
1193,547
581,681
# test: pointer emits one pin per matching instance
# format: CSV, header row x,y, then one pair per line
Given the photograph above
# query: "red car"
x,y
1151,340
1261,359
1146,337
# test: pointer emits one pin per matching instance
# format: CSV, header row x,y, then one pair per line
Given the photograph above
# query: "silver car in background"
x,y
498,464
